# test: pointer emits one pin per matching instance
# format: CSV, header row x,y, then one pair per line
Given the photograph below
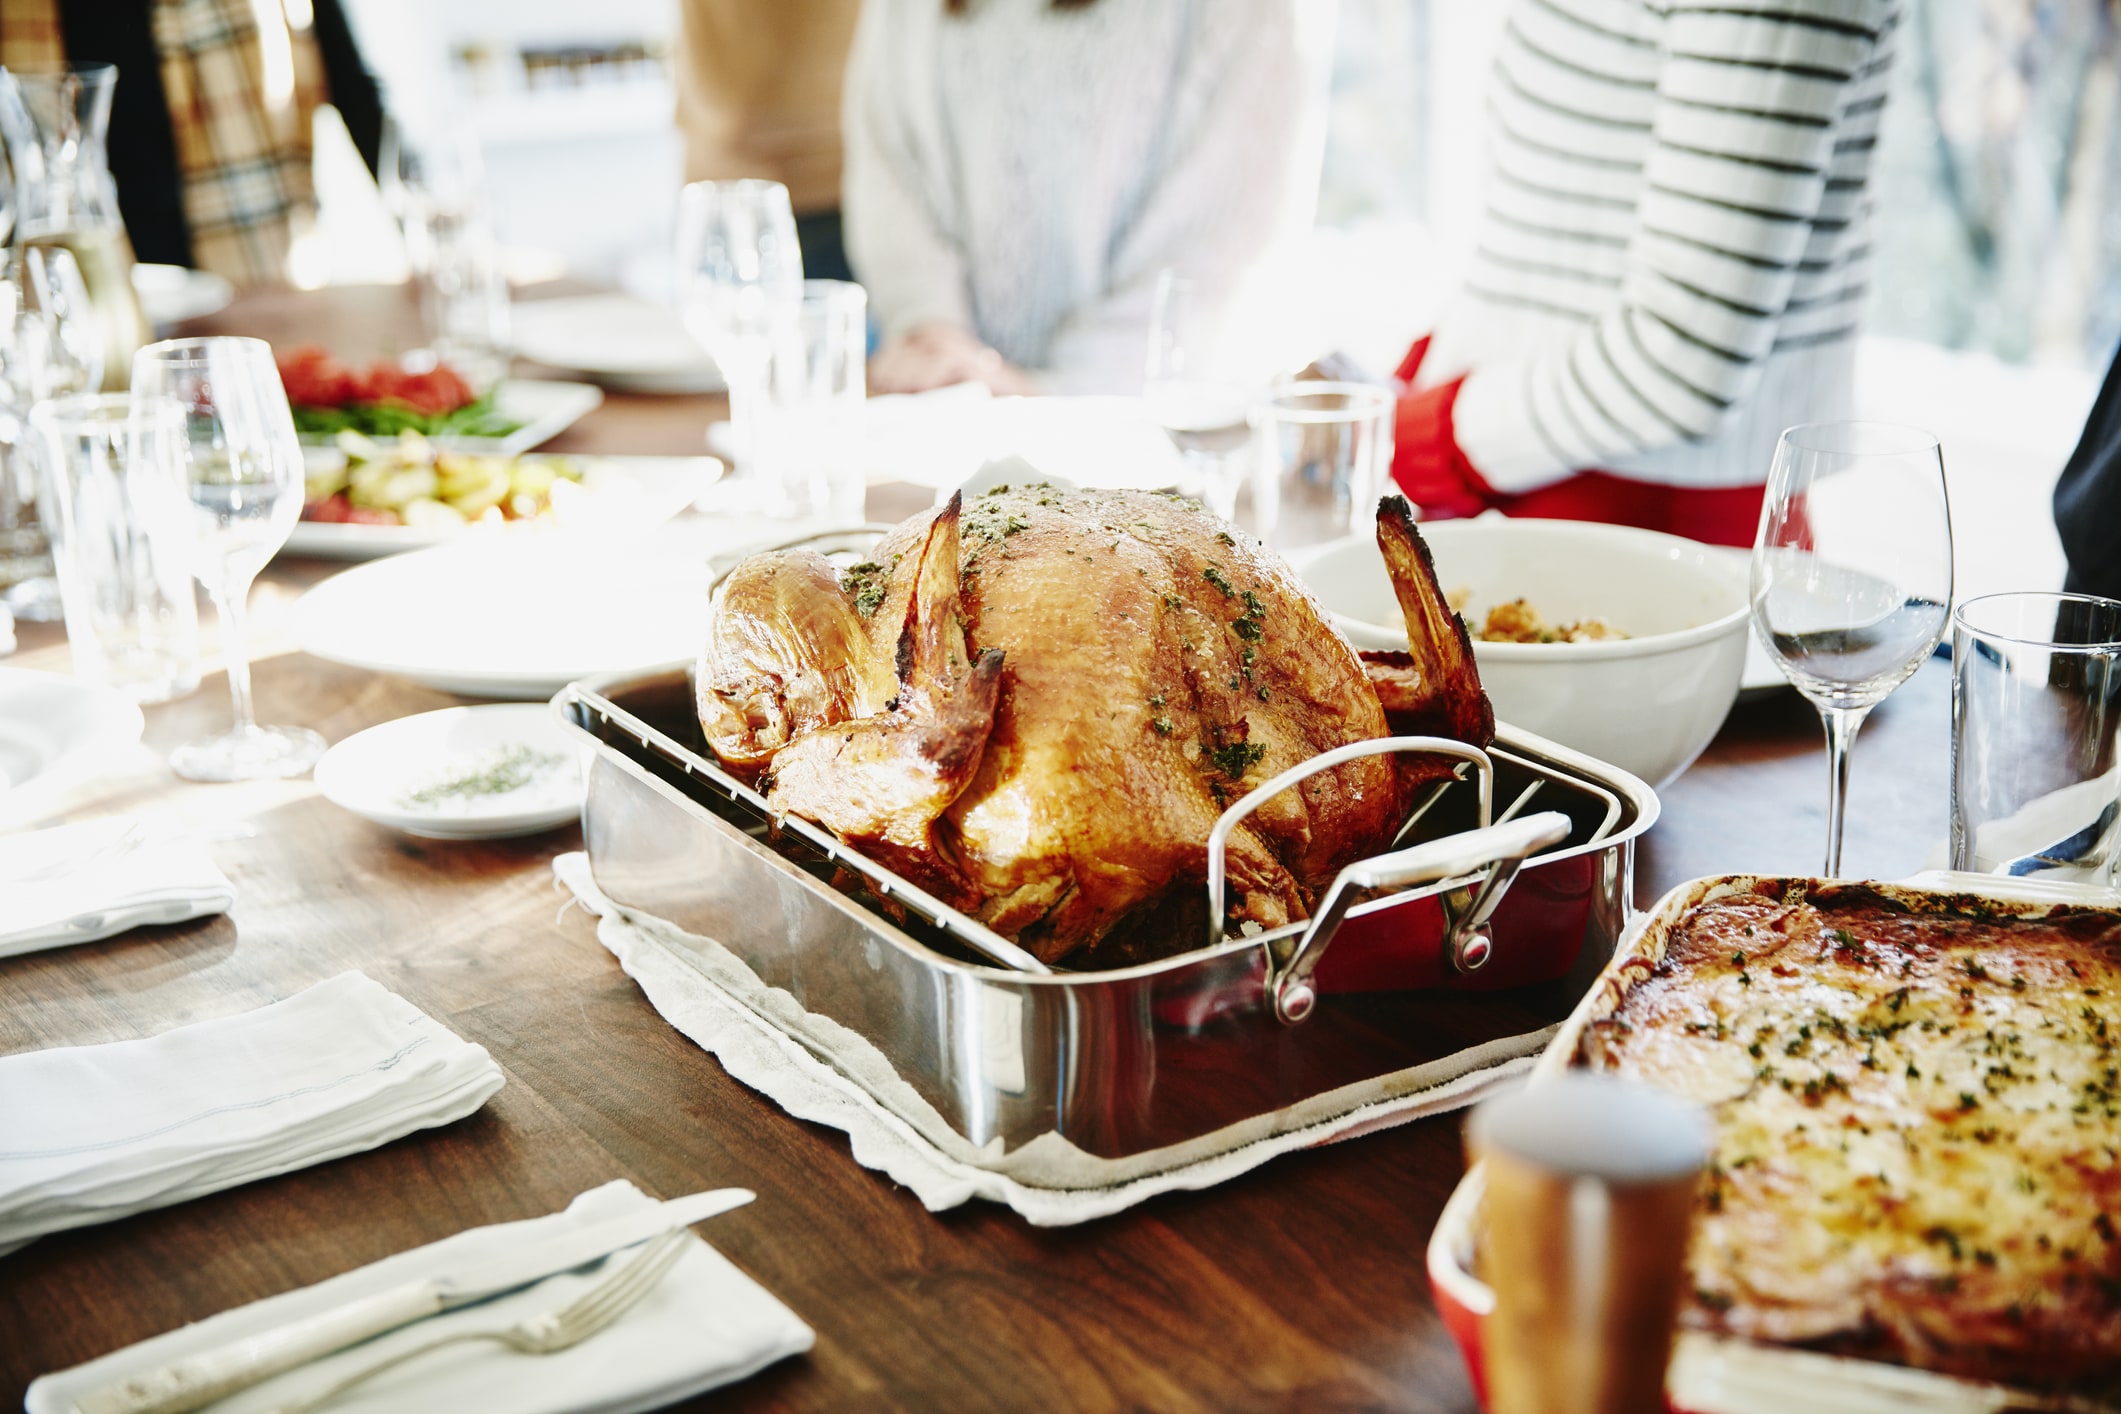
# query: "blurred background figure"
x,y
1018,172
758,95
210,131
1670,268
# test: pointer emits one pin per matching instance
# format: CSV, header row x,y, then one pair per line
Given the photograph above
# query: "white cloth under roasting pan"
x,y
89,1134
706,993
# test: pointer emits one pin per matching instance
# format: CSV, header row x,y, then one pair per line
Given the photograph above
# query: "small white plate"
x,y
54,727
619,493
382,773
544,407
617,340
171,294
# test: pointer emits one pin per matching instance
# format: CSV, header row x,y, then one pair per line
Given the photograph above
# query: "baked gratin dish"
x,y
1917,1102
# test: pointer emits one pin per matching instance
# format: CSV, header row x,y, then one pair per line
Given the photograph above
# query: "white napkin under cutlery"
x,y
705,1324
95,1133
83,882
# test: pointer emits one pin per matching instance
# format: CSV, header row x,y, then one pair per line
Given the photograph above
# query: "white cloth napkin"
x,y
78,883
833,1077
89,1134
706,1324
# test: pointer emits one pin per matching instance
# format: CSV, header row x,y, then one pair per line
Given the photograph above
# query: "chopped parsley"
x,y
1238,757
869,583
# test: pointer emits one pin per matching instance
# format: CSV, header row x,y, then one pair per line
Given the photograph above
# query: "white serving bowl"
x,y
1648,703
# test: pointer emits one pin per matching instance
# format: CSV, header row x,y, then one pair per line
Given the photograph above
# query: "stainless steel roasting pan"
x,y
1123,1062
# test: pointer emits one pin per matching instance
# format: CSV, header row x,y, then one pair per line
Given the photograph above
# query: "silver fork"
x,y
545,1333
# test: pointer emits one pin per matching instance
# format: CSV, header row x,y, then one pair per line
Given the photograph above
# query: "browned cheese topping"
x,y
1918,1118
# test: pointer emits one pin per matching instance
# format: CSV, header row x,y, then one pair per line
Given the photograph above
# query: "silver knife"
x,y
198,1380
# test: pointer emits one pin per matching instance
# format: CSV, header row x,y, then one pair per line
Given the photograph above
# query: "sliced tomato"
x,y
438,390
315,379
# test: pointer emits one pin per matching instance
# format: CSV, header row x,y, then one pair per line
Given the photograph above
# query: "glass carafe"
x,y
64,195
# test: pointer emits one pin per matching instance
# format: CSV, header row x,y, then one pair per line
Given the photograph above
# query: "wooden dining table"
x,y
1300,1285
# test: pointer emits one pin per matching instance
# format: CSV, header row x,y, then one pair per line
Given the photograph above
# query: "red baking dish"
x,y
1713,1374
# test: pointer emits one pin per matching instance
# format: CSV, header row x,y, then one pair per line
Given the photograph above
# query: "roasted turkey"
x,y
1035,703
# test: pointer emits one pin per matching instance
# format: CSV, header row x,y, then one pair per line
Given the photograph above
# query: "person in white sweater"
x,y
1018,172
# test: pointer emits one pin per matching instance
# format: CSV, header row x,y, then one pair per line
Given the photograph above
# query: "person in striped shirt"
x,y
1670,266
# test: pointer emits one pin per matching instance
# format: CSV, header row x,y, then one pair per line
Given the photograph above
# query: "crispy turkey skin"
x,y
1035,703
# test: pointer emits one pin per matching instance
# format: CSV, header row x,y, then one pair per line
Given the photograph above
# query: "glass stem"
x,y
232,607
1842,724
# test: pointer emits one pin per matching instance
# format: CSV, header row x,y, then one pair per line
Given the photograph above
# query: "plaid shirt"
x,y
241,100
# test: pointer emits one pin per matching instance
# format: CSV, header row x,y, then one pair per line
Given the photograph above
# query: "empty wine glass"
x,y
243,474
1852,575
1193,395
740,286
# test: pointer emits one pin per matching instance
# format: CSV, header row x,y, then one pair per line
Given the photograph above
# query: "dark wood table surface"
x,y
1300,1285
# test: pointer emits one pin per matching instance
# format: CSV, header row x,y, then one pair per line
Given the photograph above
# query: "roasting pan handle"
x,y
1226,824
1500,850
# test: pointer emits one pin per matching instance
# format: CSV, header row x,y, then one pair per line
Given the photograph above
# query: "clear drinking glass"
x,y
436,191
1852,575
808,438
25,552
55,340
115,507
242,470
2036,713
1202,406
1325,450
740,286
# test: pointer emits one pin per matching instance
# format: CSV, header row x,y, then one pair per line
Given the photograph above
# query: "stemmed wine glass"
x,y
243,473
1852,575
740,287
1203,409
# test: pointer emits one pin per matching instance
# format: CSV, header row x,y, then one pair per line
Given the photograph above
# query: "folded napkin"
x,y
94,1133
706,1324
79,883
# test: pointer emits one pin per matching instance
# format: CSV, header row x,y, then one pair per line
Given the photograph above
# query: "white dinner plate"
x,y
616,493
171,294
463,773
54,728
616,340
512,616
544,407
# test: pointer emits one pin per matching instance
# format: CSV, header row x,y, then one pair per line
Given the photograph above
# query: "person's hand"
x,y
938,355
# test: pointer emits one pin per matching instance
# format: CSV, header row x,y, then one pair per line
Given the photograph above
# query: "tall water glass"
x,y
436,191
810,437
25,551
242,473
1852,575
55,348
115,507
1325,450
2036,713
740,286
1194,395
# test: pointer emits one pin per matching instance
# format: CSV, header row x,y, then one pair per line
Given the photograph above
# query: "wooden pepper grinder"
x,y
1589,1197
